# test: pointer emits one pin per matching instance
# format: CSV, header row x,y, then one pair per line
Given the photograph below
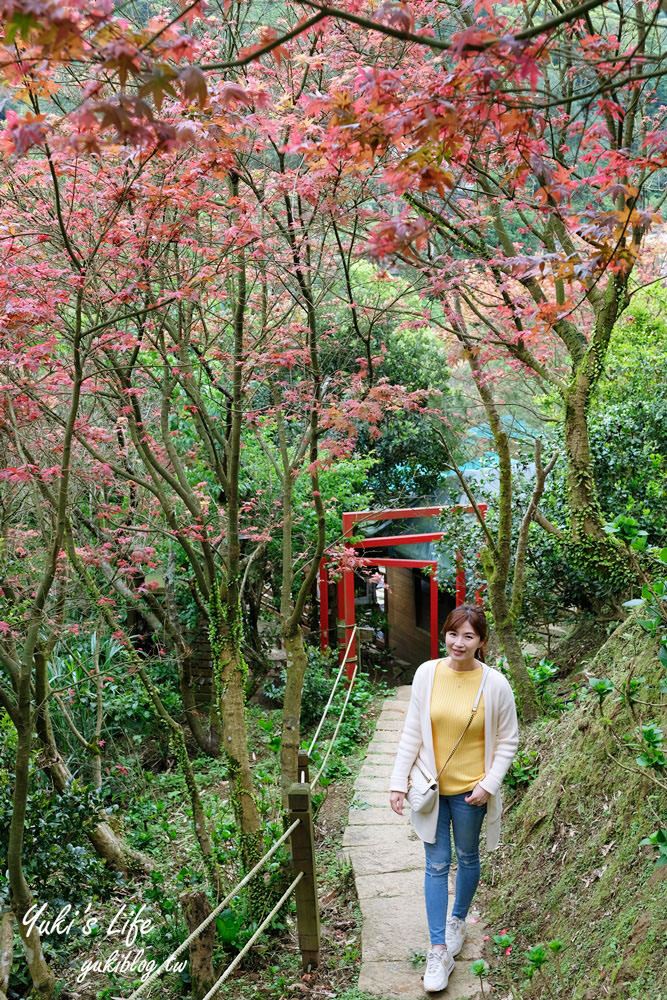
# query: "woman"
x,y
474,750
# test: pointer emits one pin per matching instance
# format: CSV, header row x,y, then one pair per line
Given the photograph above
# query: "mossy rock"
x,y
572,866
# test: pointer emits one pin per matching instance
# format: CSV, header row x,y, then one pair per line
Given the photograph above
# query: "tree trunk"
x,y
6,951
224,613
43,979
196,908
592,548
230,670
524,689
109,846
297,664
198,816
496,555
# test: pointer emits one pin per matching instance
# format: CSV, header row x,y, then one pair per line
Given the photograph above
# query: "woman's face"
x,y
462,642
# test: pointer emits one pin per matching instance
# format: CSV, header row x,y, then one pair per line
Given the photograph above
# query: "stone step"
x,y
379,747
392,930
385,755
373,769
370,797
368,860
376,816
371,783
409,883
401,694
382,837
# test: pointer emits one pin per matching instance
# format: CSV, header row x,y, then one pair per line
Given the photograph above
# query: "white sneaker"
x,y
455,935
439,965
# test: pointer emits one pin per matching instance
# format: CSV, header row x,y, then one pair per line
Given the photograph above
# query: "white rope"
x,y
333,690
249,944
253,871
340,719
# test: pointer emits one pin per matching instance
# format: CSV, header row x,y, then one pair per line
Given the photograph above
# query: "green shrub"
x,y
59,862
524,769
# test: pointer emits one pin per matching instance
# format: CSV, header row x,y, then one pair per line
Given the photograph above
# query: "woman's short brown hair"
x,y
475,617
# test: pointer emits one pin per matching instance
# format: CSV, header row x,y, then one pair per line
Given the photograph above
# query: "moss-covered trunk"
x,y
505,629
6,950
297,664
291,606
43,980
225,616
592,548
497,553
230,674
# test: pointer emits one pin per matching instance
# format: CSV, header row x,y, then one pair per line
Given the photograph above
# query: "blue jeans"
x,y
466,821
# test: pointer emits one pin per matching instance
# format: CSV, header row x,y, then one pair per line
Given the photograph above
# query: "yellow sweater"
x,y
452,698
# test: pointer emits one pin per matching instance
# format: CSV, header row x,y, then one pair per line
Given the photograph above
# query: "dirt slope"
x,y
572,867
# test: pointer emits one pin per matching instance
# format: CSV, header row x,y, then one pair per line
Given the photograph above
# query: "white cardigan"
x,y
501,739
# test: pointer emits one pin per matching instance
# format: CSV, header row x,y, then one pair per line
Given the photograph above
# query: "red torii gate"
x,y
345,586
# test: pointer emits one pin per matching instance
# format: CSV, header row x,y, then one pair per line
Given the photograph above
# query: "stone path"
x,y
387,858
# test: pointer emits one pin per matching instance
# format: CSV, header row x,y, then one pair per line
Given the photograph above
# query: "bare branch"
x,y
466,489
269,47
524,530
548,525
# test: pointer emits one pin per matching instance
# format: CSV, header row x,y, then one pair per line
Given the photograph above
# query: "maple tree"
x,y
515,106
180,202
504,565
520,182
173,281
24,653
78,302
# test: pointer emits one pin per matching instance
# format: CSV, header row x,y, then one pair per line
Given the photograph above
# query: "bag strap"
x,y
485,674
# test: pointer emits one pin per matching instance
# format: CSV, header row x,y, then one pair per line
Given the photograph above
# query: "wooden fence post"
x,y
303,766
303,860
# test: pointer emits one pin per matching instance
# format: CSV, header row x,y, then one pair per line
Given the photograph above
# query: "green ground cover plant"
x,y
592,815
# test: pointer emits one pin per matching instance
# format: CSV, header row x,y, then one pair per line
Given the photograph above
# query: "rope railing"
x,y
338,725
333,691
214,913
248,945
302,853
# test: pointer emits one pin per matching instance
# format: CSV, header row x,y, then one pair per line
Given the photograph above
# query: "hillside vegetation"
x,y
573,867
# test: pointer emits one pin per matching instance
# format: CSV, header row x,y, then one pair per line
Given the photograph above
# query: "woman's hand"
x,y
396,800
477,797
